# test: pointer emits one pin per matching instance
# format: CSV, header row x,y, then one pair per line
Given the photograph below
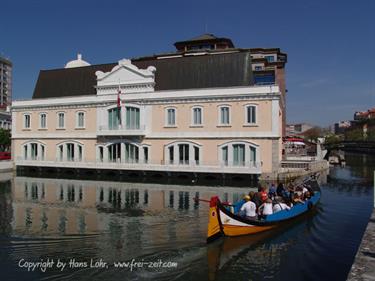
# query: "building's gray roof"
x,y
202,37
189,72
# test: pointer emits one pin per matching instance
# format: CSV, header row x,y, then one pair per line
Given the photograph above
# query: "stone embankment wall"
x,y
294,169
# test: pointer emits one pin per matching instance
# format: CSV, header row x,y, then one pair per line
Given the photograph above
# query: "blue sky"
x,y
330,44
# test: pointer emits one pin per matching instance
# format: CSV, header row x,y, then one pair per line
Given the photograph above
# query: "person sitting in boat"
x,y
297,200
257,198
272,191
281,191
248,209
279,205
266,208
306,195
263,194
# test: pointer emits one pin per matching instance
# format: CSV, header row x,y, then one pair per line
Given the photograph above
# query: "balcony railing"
x,y
148,165
121,130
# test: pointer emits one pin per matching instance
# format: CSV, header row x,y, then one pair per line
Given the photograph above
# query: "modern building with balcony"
x,y
5,83
197,110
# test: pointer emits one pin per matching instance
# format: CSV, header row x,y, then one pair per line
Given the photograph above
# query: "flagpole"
x,y
119,103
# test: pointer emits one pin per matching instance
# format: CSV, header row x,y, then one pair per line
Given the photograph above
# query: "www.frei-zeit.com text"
x,y
44,265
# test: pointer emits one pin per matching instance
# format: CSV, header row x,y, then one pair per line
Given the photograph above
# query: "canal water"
x,y
101,230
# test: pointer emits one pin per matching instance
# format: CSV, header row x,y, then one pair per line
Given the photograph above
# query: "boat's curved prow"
x,y
214,229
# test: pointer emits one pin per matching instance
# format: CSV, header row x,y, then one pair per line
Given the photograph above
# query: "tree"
x,y
313,134
354,134
4,139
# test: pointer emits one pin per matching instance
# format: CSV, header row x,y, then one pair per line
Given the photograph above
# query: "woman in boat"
x,y
266,208
279,205
297,200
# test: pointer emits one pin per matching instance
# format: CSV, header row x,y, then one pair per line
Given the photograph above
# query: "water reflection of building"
x,y
5,207
51,206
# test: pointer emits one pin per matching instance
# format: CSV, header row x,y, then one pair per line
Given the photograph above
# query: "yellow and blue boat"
x,y
222,222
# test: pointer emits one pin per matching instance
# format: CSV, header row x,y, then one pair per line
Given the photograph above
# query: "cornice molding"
x,y
146,101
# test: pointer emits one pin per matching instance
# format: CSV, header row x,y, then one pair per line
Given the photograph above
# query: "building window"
x,y
33,151
258,68
42,152
114,118
80,153
251,114
197,116
196,155
61,120
114,152
101,154
270,58
183,154
70,151
171,117
224,153
25,152
26,121
131,153
145,154
238,154
224,115
132,115
80,123
61,153
171,154
183,150
43,120
253,156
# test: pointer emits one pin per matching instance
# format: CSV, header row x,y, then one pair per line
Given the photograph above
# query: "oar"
x,y
196,199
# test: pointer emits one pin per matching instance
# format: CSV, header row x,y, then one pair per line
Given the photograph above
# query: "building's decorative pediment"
x,y
128,77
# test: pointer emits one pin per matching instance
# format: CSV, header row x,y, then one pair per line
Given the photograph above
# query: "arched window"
x,y
123,152
69,151
239,154
34,151
183,153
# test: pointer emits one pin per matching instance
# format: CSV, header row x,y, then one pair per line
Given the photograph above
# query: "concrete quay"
x,y
363,268
6,166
